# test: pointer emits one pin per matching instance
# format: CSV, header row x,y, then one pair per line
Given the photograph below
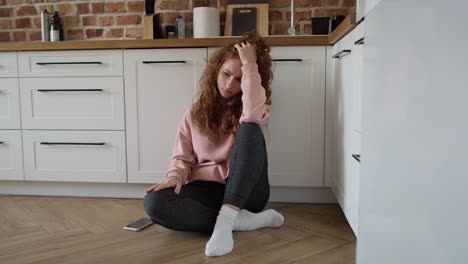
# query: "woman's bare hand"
x,y
168,183
247,52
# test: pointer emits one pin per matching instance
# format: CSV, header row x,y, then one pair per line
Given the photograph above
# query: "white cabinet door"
x,y
9,104
160,85
91,103
8,64
11,157
295,131
74,156
70,63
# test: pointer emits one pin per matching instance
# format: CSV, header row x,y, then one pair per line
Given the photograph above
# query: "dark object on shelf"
x,y
171,32
149,7
320,25
152,26
244,19
336,20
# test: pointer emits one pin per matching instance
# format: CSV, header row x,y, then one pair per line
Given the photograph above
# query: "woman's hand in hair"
x,y
247,52
168,183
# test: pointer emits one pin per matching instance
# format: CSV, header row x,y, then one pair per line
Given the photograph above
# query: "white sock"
x,y
221,241
247,221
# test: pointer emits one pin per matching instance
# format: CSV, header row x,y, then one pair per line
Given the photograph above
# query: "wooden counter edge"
x,y
348,24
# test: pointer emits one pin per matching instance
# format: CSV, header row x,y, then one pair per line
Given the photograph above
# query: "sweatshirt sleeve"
x,y
183,158
254,108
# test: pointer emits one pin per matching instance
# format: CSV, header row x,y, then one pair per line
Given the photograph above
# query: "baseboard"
x,y
124,190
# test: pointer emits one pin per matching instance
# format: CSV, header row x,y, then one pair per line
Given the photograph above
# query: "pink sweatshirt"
x,y
195,157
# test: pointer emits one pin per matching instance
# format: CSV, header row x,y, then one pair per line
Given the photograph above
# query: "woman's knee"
x,y
156,203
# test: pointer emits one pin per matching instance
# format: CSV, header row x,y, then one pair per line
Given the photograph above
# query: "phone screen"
x,y
139,223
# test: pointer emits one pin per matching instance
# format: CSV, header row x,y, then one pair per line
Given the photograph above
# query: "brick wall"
x,y
122,19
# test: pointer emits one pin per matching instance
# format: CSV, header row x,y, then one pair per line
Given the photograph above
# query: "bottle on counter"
x,y
45,25
180,27
55,27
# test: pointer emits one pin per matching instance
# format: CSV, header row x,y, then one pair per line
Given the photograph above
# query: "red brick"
x,y
223,2
307,3
136,33
302,15
35,35
136,6
49,8
74,34
106,21
275,15
71,21
308,29
282,28
4,36
330,12
89,20
170,17
279,3
19,36
13,2
5,23
188,18
37,22
97,8
82,8
23,23
26,11
348,3
173,5
115,7
331,3
6,12
115,33
63,9
93,33
128,20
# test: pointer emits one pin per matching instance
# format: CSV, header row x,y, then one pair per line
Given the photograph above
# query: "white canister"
x,y
205,22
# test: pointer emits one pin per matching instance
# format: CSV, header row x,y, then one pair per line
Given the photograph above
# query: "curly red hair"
x,y
215,115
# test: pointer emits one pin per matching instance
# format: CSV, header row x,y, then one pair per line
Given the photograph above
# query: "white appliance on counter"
x,y
413,204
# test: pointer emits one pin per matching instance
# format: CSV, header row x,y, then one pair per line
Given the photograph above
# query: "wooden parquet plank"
x,y
13,217
344,254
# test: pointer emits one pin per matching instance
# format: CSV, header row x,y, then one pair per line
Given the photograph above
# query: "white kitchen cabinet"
x,y
9,104
347,88
91,103
11,157
363,7
160,85
8,64
70,63
74,156
295,130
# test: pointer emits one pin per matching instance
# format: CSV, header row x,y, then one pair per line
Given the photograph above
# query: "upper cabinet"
x,y
8,64
160,84
295,131
71,63
363,7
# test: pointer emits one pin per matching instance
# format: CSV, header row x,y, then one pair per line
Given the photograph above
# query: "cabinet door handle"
x,y
357,157
73,143
154,62
287,60
359,41
1,142
343,52
68,62
70,90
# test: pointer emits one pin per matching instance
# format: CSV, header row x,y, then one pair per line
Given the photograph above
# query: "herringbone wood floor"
x,y
89,230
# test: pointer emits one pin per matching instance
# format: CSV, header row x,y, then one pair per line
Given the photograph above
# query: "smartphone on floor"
x,y
139,224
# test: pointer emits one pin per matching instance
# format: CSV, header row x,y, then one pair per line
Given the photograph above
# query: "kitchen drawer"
x,y
359,33
71,63
11,157
95,103
74,156
8,64
9,104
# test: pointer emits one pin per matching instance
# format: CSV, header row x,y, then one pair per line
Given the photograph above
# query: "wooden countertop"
x,y
304,40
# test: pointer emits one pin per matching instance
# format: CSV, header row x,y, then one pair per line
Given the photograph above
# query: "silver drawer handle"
x,y
343,52
73,143
1,142
154,62
359,41
68,62
70,90
357,157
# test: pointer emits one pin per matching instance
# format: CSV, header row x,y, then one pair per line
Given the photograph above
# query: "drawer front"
x,y
72,103
8,64
11,156
74,156
71,63
9,104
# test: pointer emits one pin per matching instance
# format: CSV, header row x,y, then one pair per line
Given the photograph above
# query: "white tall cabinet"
x,y
160,85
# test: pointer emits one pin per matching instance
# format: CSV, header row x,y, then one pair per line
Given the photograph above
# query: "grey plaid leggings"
x,y
198,203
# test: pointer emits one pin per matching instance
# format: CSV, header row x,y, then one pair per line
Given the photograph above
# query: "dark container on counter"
x,y
320,25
